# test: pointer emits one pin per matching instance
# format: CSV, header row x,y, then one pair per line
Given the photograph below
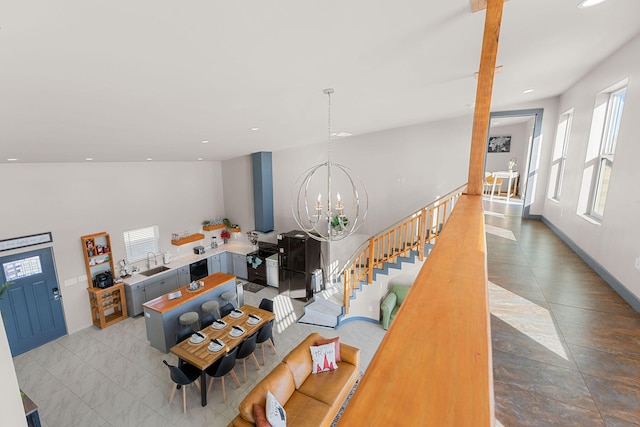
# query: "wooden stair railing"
x,y
411,233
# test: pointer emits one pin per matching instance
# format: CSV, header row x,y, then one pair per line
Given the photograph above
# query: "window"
x,y
607,149
21,268
138,243
560,155
601,146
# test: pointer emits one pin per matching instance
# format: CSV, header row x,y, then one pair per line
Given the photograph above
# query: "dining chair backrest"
x,y
181,376
247,347
266,304
207,320
224,365
265,332
226,309
184,334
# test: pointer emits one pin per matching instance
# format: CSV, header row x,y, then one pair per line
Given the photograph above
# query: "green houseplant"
x,y
4,288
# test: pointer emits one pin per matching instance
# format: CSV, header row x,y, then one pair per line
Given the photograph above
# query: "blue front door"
x,y
31,307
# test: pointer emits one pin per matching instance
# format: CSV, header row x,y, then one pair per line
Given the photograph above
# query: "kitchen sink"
x,y
155,270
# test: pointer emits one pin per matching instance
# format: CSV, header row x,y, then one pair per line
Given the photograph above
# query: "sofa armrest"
x,y
350,354
387,306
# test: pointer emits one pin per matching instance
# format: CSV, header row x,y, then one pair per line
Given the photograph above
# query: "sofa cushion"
x,y
299,360
276,415
335,340
260,416
304,411
331,387
401,292
324,358
279,382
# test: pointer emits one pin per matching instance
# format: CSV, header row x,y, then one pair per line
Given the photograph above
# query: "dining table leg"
x,y
203,388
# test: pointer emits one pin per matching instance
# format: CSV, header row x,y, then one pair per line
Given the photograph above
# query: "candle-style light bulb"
x,y
339,203
319,201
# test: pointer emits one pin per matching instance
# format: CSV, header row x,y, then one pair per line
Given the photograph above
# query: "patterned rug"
x,y
346,402
252,287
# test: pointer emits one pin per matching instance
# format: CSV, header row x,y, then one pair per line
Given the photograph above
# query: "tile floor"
x,y
112,377
566,349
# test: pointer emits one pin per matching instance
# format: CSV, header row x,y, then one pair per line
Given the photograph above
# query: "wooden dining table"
x,y
199,354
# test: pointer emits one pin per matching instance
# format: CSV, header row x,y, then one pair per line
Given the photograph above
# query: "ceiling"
x,y
131,80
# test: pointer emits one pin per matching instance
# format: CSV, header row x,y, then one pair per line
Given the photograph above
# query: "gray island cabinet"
x,y
161,314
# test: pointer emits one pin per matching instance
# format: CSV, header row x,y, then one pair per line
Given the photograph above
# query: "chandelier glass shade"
x,y
328,201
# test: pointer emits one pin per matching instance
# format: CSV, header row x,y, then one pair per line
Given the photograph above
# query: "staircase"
x,y
394,255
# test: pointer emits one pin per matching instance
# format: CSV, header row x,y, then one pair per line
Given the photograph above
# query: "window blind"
x,y
138,243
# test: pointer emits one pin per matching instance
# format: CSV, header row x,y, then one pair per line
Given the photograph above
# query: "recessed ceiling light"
x,y
205,142
588,3
89,159
12,160
200,158
470,105
255,129
149,158
528,91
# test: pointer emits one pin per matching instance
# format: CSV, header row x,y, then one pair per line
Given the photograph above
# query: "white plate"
x,y
213,347
236,314
253,321
196,339
215,325
236,333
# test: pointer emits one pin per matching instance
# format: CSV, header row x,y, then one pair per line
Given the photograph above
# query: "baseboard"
x,y
615,284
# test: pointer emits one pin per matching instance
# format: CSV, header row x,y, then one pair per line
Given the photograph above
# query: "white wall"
x,y
615,243
74,199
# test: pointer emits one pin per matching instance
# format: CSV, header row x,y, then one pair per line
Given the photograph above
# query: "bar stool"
x,y
229,297
189,318
211,307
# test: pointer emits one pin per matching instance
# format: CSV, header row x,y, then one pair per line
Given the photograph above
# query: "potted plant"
x,y
4,288
225,235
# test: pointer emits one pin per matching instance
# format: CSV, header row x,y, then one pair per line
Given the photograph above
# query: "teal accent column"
x,y
262,191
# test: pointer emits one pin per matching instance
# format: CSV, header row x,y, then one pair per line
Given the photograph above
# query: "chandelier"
x,y
317,205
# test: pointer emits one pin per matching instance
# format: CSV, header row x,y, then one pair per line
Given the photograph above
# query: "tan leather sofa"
x,y
309,399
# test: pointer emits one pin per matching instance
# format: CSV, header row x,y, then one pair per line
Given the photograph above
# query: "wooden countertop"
x,y
163,304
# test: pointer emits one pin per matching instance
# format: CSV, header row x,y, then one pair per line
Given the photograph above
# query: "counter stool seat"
x,y
189,318
229,297
211,307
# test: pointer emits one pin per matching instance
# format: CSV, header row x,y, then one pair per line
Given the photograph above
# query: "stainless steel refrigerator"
x,y
298,256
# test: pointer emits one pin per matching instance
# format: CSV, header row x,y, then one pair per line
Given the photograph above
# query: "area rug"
x,y
346,402
252,287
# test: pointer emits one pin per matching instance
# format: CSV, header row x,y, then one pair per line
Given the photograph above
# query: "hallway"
x,y
566,347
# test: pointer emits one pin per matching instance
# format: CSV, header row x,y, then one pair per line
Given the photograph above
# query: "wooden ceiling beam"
x,y
482,111
478,5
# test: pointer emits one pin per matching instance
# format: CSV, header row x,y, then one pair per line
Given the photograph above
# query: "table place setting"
x,y
197,338
236,314
253,319
218,324
236,331
216,345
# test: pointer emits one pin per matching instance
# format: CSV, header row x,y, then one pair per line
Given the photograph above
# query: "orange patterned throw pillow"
x,y
260,416
335,340
324,358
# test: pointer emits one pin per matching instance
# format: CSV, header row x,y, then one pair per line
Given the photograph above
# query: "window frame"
x,y
562,161
608,143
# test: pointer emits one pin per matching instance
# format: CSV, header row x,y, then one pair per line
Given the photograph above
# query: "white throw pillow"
x,y
276,415
324,358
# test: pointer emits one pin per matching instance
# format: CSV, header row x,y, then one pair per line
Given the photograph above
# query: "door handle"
x,y
56,294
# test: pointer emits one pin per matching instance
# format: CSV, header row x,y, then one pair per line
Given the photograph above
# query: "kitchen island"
x,y
161,314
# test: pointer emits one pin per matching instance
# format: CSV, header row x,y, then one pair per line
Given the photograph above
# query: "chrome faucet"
x,y
155,260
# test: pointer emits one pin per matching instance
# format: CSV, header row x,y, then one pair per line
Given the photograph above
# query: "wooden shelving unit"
x,y
108,305
188,239
213,227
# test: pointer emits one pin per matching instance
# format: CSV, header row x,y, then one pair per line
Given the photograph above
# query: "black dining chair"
x,y
226,309
265,335
207,320
266,304
182,376
246,349
181,336
222,367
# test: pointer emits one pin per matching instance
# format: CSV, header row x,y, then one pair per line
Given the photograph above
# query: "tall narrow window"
x,y
560,155
607,150
138,243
